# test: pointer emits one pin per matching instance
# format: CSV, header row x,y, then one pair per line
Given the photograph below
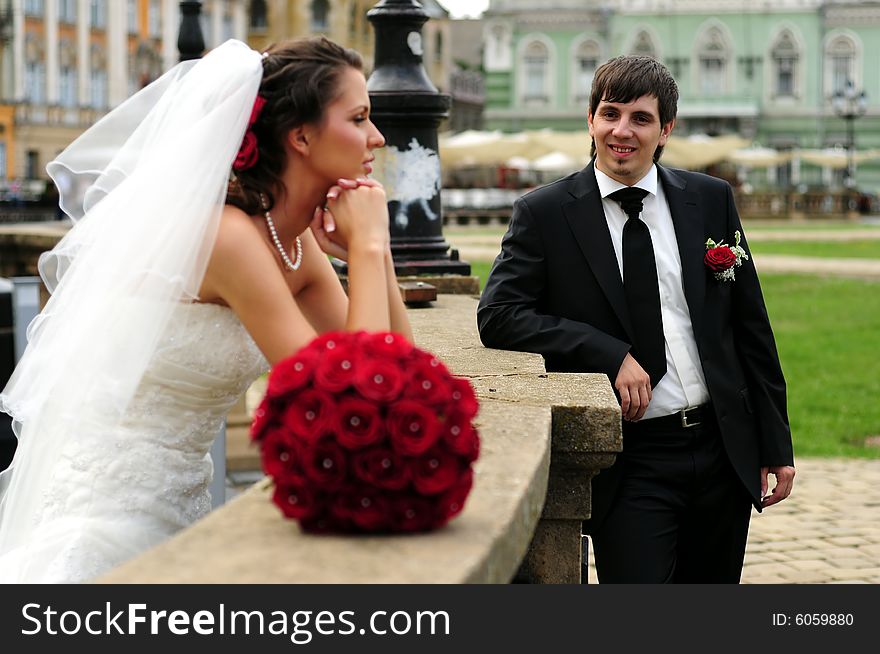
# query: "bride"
x,y
190,270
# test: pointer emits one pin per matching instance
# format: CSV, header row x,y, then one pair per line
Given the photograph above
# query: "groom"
x,y
608,270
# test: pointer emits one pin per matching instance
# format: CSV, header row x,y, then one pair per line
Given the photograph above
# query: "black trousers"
x,y
680,514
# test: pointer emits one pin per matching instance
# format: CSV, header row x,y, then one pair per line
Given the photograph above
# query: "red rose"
x,y
324,463
366,508
412,427
461,437
411,514
257,109
381,467
379,380
385,345
720,258
247,153
428,384
335,370
262,419
463,398
279,454
309,413
296,500
435,472
292,374
452,501
359,423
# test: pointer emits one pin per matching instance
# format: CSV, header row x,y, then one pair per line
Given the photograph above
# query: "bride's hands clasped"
x,y
355,212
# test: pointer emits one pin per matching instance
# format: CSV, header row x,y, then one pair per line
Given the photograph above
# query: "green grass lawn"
x,y
828,335
865,249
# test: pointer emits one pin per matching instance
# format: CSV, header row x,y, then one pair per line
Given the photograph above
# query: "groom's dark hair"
x,y
300,78
627,78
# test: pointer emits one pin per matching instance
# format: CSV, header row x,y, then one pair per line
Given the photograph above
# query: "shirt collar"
x,y
607,186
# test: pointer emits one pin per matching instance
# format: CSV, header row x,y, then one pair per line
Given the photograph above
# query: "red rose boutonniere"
x,y
723,259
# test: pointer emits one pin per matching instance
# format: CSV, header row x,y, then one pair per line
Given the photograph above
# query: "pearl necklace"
x,y
288,263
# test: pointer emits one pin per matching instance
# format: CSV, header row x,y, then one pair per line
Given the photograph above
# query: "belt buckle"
x,y
684,418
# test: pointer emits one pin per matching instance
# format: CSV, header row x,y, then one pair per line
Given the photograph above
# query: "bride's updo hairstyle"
x,y
300,78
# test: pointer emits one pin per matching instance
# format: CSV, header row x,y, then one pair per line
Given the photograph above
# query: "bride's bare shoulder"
x,y
236,232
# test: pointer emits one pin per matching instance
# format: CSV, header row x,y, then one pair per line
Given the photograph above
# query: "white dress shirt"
x,y
683,385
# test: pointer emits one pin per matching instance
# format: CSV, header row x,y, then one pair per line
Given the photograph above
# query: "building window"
x,y
3,163
320,15
33,7
259,17
644,45
841,54
98,89
586,60
785,62
131,16
98,13
67,11
35,82
31,164
67,87
713,63
536,63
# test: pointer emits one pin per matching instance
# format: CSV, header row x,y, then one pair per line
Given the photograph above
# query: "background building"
x,y
65,63
766,71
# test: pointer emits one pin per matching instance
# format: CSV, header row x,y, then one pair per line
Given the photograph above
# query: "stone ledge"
x,y
247,541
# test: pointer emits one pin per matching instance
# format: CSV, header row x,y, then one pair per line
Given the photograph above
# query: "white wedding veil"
x,y
146,185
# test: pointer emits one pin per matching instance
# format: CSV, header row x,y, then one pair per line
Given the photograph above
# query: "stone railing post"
x,y
586,436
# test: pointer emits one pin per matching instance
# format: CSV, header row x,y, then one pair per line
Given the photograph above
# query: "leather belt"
x,y
683,419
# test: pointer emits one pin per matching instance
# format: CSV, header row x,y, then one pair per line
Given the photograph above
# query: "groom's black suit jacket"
x,y
555,289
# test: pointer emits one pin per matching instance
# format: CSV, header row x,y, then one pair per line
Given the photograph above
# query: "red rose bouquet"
x,y
366,433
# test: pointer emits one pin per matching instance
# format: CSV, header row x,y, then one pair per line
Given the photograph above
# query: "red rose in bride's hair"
x,y
247,154
259,103
366,433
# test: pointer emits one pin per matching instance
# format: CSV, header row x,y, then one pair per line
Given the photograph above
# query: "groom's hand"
x,y
784,482
634,386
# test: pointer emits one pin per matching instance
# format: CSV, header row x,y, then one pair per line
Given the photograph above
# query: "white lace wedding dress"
x,y
114,495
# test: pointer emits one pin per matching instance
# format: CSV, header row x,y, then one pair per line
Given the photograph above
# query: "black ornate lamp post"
x,y
850,104
190,41
407,108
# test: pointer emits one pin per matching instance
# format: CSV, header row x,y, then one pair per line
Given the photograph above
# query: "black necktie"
x,y
641,286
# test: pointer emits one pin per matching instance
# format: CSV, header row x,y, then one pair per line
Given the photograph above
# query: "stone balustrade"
x,y
543,437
